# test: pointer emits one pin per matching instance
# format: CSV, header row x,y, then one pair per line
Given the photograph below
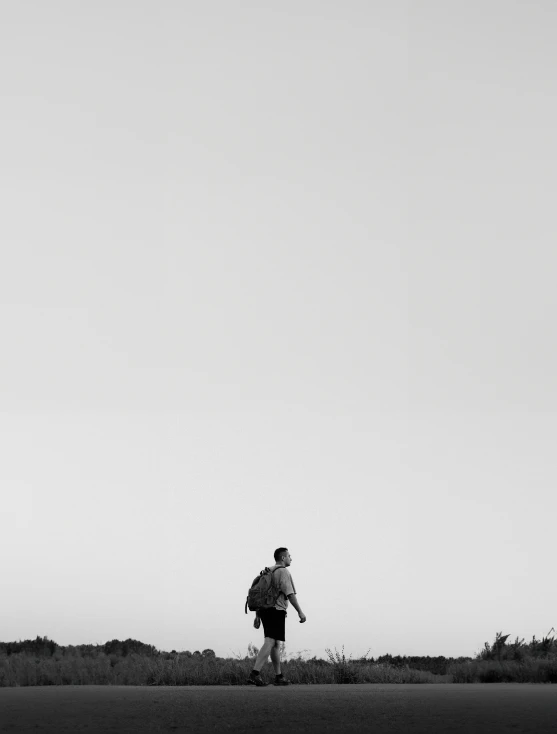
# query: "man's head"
x,y
282,556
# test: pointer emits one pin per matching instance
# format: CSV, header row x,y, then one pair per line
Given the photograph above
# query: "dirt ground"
x,y
431,709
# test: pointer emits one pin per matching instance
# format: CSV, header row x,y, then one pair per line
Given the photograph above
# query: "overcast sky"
x,y
278,274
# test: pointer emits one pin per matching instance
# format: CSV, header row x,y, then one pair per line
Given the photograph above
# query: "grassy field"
x,y
42,662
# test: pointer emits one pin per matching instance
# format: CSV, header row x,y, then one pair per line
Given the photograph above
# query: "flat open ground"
x,y
431,709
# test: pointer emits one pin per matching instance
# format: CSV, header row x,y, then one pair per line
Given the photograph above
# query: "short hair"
x,y
278,553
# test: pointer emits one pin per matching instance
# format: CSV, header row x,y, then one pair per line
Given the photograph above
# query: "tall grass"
x,y
24,669
41,662
511,662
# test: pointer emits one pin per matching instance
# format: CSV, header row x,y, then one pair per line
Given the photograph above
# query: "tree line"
x,y
45,648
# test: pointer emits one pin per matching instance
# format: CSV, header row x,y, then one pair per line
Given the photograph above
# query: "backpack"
x,y
263,593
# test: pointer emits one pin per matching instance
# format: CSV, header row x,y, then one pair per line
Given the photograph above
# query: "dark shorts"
x,y
274,623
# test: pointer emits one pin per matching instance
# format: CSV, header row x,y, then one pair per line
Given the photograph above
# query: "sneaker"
x,y
281,682
256,680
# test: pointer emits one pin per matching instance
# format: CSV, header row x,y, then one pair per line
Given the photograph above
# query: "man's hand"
x,y
292,599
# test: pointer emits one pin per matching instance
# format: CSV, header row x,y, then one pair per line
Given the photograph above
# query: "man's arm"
x,y
292,599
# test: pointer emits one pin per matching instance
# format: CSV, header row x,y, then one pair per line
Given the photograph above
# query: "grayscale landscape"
x,y
278,275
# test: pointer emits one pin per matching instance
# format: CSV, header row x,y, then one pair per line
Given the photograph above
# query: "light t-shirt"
x,y
283,580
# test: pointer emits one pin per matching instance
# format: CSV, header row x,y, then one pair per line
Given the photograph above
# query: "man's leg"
x,y
266,648
275,656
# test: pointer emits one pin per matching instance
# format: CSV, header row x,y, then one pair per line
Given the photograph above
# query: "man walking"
x,y
274,619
